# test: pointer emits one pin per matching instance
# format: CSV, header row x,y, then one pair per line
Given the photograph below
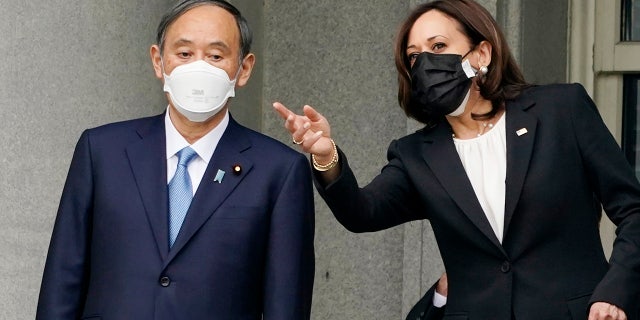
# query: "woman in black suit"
x,y
512,177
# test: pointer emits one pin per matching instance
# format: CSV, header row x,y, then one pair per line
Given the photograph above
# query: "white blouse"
x,y
485,160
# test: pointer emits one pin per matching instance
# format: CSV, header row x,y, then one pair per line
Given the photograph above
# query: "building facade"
x,y
74,64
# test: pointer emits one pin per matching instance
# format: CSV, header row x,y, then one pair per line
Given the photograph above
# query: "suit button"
x,y
506,266
165,281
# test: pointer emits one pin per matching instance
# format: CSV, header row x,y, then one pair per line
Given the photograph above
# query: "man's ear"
x,y
245,73
156,60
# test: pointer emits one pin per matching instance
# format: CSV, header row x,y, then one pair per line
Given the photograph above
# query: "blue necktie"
x,y
180,193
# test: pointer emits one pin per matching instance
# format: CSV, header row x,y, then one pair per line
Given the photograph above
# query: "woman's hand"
x,y
443,285
606,311
311,131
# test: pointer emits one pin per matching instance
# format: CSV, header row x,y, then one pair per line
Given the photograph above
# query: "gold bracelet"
x,y
331,164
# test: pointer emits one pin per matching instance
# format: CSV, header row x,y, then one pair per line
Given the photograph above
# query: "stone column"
x,y
338,57
67,65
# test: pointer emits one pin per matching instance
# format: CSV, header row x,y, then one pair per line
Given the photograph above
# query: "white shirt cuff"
x,y
439,300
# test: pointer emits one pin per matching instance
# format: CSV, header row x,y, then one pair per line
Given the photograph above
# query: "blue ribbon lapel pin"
x,y
219,176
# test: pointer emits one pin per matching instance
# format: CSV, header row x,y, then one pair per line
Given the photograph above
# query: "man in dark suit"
x,y
185,215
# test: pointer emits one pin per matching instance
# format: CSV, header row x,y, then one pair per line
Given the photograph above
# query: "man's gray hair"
x,y
183,6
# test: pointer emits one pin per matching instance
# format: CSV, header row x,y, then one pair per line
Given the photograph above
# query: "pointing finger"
x,y
311,113
283,111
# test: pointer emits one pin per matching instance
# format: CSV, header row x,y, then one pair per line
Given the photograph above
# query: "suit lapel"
x,y
521,132
147,158
212,190
441,156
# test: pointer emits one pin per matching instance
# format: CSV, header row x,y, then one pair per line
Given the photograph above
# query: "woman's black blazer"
x,y
563,167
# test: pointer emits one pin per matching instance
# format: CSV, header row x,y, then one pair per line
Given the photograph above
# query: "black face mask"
x,y
439,83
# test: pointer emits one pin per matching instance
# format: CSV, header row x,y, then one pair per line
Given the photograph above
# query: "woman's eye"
x,y
438,46
412,57
183,54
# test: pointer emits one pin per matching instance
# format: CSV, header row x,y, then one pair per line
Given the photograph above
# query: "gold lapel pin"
x,y
237,169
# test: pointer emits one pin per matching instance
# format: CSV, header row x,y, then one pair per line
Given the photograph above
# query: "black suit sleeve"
x,y
388,200
616,186
290,265
64,282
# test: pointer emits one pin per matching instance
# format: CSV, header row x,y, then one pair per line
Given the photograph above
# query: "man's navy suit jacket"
x,y
245,250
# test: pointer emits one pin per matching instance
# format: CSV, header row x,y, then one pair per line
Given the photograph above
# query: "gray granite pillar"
x,y
338,57
544,50
67,65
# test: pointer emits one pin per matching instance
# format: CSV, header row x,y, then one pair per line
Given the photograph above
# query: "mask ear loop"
x,y
235,78
162,66
470,50
482,70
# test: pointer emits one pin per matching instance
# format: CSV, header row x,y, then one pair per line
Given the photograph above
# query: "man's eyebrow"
x,y
182,41
220,44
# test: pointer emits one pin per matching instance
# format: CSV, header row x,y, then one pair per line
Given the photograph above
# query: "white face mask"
x,y
199,90
470,72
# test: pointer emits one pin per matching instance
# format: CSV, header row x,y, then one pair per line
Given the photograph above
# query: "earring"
x,y
484,70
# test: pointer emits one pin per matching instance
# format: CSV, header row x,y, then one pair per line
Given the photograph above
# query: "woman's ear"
x,y
484,50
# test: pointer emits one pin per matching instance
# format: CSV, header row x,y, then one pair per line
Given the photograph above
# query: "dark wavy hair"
x,y
504,81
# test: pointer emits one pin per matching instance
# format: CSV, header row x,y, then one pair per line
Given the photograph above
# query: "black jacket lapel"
x,y
521,132
441,156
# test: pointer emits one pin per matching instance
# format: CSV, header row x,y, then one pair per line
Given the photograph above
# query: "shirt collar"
x,y
204,147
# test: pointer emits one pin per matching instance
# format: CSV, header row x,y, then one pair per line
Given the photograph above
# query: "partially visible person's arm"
x,y
389,200
289,265
64,282
441,292
615,185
